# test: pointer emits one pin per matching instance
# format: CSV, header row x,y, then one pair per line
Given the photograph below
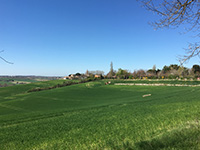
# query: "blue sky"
x,y
59,37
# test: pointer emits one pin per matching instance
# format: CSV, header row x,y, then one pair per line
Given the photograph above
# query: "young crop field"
x,y
93,116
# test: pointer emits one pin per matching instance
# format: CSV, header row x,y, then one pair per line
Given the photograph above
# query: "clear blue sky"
x,y
59,37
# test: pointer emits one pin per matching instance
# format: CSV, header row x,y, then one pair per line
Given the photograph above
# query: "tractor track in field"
x,y
12,107
157,84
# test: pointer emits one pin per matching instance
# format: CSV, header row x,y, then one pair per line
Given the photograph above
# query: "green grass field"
x,y
98,116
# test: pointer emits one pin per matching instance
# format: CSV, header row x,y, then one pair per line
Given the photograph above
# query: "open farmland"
x,y
15,80
97,116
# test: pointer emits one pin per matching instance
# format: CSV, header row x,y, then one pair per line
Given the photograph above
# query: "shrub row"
x,y
66,83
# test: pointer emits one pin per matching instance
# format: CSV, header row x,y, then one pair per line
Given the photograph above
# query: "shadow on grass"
x,y
184,139
187,138
125,145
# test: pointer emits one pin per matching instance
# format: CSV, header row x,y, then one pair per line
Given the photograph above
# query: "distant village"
x,y
92,74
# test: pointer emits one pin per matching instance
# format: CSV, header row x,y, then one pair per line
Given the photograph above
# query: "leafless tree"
x,y
141,73
174,13
4,58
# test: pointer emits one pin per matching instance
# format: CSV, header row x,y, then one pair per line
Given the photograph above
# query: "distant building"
x,y
97,76
66,77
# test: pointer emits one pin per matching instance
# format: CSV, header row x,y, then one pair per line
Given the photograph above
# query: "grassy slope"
x,y
95,116
20,89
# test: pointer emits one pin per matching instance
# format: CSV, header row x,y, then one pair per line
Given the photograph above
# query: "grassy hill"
x,y
98,116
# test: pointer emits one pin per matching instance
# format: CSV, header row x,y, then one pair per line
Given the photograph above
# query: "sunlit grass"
x,y
97,116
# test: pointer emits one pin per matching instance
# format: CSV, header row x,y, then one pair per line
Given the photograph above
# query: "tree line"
x,y
172,71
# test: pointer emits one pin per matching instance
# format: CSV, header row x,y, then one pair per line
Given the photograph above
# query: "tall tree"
x,y
174,13
87,73
111,68
111,73
154,68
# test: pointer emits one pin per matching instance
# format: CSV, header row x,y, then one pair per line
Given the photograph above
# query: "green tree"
x,y
78,74
196,69
166,69
152,72
183,71
122,74
174,66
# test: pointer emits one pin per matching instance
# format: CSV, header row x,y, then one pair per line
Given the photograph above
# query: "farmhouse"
x,y
97,76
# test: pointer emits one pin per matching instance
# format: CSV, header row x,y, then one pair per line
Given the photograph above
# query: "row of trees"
x,y
172,72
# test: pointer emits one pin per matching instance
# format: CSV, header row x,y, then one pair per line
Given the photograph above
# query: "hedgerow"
x,y
65,83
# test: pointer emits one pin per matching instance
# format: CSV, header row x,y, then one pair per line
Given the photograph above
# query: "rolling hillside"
x,y
97,116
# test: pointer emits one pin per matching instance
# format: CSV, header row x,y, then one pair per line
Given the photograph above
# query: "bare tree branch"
x,y
174,13
5,59
191,51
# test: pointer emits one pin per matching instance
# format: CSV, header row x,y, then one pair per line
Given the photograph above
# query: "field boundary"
x,y
156,84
